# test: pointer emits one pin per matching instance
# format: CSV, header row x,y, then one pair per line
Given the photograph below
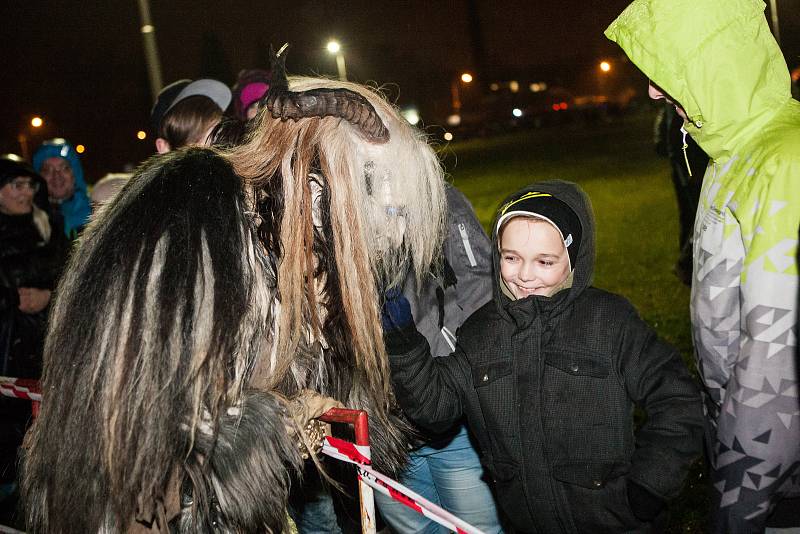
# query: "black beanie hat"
x,y
545,206
12,166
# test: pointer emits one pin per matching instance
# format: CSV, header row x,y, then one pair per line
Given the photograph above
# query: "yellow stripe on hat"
x,y
526,196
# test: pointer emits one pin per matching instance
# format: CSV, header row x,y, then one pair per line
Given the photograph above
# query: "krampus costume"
x,y
215,287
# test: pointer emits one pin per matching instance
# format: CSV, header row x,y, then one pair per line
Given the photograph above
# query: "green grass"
x,y
636,217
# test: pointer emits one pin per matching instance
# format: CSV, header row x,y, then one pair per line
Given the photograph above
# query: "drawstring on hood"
x,y
684,147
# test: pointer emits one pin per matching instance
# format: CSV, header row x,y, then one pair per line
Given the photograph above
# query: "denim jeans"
x,y
311,507
450,477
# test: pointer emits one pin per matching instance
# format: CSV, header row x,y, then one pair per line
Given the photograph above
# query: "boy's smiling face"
x,y
533,258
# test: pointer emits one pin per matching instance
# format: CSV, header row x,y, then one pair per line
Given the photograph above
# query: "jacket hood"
x,y
76,210
716,58
583,269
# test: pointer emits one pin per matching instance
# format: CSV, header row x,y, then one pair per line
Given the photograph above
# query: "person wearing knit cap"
x,y
250,87
185,112
548,375
58,163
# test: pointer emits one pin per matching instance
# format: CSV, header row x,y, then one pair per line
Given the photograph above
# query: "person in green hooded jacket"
x,y
717,61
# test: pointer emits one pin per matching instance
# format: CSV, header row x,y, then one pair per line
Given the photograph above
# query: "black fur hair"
x,y
156,326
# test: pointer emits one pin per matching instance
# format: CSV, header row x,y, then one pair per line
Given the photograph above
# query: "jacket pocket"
x,y
485,374
494,387
578,363
596,495
509,485
592,475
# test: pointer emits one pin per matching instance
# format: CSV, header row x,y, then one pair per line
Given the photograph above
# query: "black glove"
x,y
645,505
396,311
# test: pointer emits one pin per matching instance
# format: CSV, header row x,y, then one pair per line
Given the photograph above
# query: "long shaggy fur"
x,y
380,214
248,458
159,319
197,286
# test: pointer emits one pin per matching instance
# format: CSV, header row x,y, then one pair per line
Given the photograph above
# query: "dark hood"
x,y
583,272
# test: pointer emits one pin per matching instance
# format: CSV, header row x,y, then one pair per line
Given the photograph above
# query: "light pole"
x,y
455,90
150,48
22,137
773,9
335,48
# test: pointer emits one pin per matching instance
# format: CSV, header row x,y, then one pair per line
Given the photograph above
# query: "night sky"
x,y
80,65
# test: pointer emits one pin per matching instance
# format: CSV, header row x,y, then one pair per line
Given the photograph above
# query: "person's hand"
x,y
32,299
396,310
309,431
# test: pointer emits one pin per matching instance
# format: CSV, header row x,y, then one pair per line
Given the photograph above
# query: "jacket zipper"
x,y
462,229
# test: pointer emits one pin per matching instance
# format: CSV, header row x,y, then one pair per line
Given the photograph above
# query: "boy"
x,y
548,374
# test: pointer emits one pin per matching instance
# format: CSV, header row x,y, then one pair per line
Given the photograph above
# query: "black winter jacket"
x,y
548,386
26,260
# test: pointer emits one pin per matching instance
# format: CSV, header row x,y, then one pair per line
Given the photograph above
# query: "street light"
x,y
605,66
335,48
455,92
26,132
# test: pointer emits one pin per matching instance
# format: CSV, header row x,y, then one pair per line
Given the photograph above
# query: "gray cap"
x,y
217,91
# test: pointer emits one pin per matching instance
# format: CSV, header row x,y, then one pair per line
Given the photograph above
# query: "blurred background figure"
x,y
186,111
249,88
669,141
32,253
107,187
58,163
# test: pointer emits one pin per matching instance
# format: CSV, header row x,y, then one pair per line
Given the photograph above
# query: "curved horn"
x,y
343,103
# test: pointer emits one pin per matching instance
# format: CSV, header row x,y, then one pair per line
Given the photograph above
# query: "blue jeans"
x,y
450,477
311,507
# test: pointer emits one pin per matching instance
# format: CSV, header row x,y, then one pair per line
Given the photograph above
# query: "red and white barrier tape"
x,y
20,388
359,455
352,453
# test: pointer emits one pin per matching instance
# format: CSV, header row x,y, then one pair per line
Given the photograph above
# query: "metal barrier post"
x,y
360,422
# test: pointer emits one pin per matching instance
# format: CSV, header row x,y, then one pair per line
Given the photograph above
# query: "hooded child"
x,y
548,375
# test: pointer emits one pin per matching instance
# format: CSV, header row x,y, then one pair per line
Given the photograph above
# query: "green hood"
x,y
717,58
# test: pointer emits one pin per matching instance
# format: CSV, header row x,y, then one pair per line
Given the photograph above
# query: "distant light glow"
x,y
605,66
538,87
454,119
513,85
141,134
516,112
448,136
36,122
333,47
411,115
80,149
494,86
466,77
148,28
